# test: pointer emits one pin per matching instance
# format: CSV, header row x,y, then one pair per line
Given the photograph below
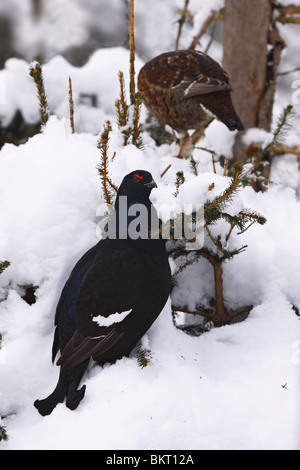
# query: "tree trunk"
x,y
245,59
220,314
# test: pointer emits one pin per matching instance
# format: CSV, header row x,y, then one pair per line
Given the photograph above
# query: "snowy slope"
x,y
220,390
235,387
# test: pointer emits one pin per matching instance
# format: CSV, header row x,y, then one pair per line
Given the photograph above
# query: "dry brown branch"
x,y
136,131
225,167
71,103
213,163
287,72
181,22
211,316
132,53
279,149
196,311
165,171
289,14
214,16
289,19
290,10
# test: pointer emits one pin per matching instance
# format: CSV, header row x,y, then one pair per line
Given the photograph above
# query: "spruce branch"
x,y
4,265
37,75
180,179
218,253
252,216
282,125
144,357
194,165
261,156
194,256
213,209
289,14
121,105
128,116
3,433
107,184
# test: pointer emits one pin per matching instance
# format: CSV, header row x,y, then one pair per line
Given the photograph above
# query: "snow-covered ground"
x,y
235,387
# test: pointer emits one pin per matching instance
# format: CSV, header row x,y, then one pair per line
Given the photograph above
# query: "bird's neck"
x,y
135,218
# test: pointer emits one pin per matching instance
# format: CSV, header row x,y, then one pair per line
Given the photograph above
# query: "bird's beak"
x,y
151,185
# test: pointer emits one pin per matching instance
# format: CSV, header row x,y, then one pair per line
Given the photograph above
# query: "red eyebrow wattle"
x,y
138,176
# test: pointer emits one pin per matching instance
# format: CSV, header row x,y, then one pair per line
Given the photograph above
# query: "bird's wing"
x,y
203,85
65,310
80,267
108,293
202,74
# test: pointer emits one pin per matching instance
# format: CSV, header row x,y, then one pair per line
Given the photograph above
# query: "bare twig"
x,y
132,53
181,22
212,316
136,131
165,171
214,16
287,72
279,149
213,162
225,167
71,106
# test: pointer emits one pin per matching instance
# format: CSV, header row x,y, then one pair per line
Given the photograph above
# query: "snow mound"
x,y
223,390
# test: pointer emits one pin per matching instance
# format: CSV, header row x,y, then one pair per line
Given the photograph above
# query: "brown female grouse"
x,y
187,90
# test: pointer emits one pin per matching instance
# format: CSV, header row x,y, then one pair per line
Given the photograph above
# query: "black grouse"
x,y
187,89
113,295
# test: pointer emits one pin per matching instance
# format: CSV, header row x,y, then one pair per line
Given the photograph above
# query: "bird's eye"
x,y
138,176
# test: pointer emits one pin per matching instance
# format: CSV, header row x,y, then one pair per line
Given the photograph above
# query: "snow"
x,y
103,66
234,387
221,390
